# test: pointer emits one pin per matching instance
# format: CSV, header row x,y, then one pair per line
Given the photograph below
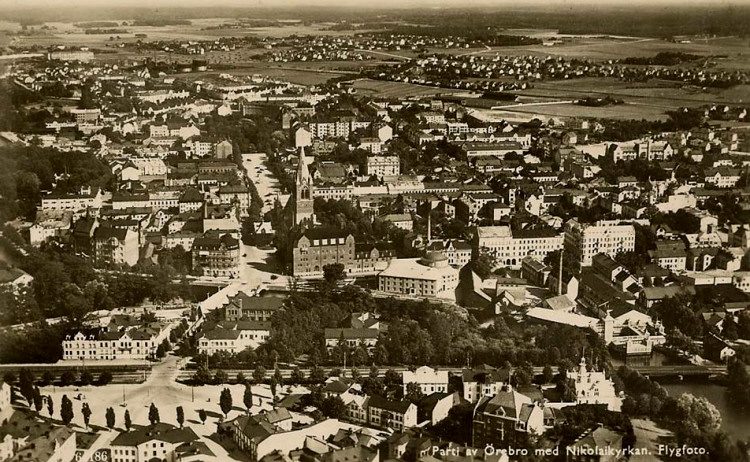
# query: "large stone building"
x,y
138,342
428,379
381,166
318,248
233,336
430,276
245,307
217,254
116,246
593,387
162,441
583,241
509,247
501,419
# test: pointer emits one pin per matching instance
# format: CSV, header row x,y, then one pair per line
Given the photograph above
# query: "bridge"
x,y
649,371
684,370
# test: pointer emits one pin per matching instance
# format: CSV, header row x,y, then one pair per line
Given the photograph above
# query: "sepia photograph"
x,y
392,231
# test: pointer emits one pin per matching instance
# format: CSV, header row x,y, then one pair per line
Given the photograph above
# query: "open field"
x,y
66,33
296,75
398,89
666,94
622,111
601,49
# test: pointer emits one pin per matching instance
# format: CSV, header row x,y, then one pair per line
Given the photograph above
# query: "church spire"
x,y
303,201
303,173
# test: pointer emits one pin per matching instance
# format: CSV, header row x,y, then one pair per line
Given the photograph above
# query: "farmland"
x,y
666,94
397,89
623,111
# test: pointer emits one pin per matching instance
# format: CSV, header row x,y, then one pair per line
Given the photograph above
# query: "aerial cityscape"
x,y
406,232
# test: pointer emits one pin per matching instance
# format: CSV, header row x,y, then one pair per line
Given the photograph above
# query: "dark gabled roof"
x,y
350,333
107,232
161,432
326,233
191,195
504,403
336,386
10,274
484,372
221,334
385,248
379,402
194,448
212,241
246,302
85,225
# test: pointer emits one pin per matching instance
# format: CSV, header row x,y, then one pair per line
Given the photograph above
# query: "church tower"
x,y
303,201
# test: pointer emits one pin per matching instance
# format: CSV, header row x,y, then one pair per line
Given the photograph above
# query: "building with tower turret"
x,y
302,207
594,387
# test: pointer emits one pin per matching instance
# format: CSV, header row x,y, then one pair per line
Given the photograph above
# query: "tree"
x,y
47,378
333,407
317,375
697,415
240,378
277,376
110,418
563,367
413,392
247,398
86,412
739,382
67,378
153,414
38,400
202,375
26,383
274,384
225,401
86,378
297,376
391,378
66,410
160,351
259,374
180,416
221,377
333,273
50,406
203,416
547,374
743,324
104,378
730,329
128,422
483,264
9,377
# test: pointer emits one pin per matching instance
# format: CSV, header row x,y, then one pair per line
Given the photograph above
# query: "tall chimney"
x,y
429,225
560,273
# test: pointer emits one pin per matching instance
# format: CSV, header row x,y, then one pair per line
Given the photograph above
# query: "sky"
x,y
16,4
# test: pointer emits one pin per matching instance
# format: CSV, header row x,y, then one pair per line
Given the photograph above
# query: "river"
x,y
734,421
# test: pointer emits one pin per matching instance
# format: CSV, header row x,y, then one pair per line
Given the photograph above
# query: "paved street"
x,y
162,389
